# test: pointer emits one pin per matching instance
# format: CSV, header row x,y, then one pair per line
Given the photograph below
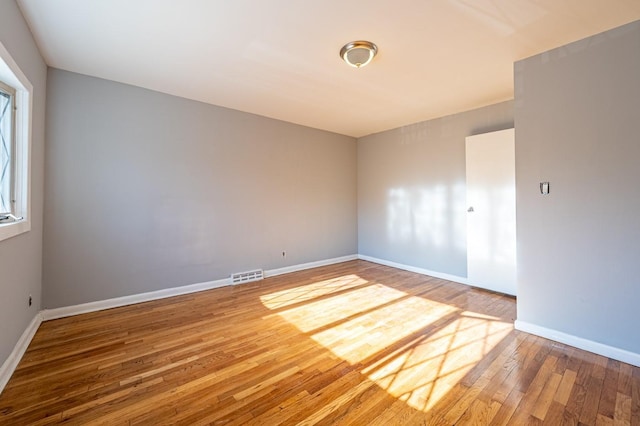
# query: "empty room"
x,y
319,213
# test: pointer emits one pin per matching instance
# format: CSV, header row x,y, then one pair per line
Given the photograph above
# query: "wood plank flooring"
x,y
348,344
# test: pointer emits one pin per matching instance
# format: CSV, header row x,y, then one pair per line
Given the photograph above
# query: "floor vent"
x,y
245,277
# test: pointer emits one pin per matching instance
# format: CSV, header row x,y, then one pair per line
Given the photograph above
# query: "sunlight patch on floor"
x,y
311,291
415,348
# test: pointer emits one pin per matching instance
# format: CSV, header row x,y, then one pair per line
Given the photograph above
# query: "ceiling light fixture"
x,y
358,53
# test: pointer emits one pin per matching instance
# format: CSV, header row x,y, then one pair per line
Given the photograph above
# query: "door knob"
x,y
470,209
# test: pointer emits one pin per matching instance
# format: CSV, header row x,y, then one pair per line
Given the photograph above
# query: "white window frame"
x,y
11,75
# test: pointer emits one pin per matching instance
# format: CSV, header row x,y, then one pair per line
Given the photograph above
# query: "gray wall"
x,y
577,113
146,191
21,256
411,190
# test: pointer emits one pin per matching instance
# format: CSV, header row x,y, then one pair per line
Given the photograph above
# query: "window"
x,y
7,151
15,146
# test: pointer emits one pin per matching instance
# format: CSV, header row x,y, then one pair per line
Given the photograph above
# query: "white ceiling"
x,y
279,58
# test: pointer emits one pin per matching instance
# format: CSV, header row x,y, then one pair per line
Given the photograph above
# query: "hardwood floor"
x,y
354,343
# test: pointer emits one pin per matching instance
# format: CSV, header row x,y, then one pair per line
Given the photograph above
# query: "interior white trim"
x,y
448,277
303,266
579,342
9,366
11,74
83,308
557,336
66,311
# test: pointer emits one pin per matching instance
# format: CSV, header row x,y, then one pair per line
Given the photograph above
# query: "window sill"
x,y
8,230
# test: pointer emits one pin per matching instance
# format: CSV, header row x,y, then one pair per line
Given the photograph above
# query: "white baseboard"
x,y
310,265
558,336
83,308
448,277
9,366
580,343
49,314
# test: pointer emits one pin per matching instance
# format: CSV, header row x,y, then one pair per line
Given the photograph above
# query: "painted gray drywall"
x,y
411,190
146,191
21,256
577,113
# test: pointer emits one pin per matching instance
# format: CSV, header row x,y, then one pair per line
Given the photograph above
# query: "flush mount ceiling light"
x,y
358,53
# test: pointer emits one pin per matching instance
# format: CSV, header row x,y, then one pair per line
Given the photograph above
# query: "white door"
x,y
491,211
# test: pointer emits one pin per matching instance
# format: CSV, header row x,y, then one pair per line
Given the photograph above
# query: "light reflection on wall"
x,y
415,348
427,216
